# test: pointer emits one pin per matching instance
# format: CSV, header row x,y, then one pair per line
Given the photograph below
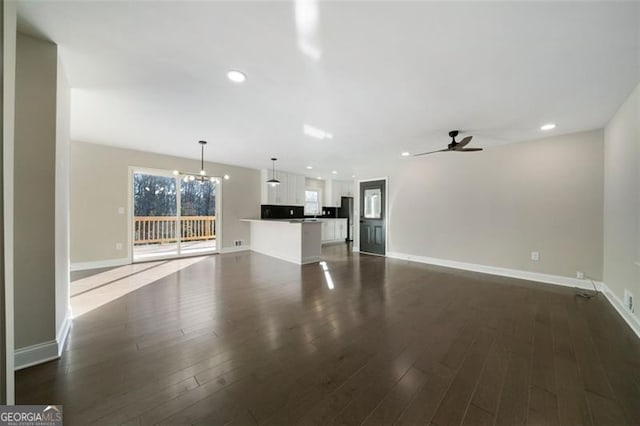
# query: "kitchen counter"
x,y
294,240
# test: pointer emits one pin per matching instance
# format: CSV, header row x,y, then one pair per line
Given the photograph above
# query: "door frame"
x,y
169,173
356,213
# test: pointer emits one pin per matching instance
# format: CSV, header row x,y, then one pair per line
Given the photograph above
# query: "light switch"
x,y
120,210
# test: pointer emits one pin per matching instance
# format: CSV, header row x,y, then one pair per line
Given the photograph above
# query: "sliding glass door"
x,y
173,215
197,215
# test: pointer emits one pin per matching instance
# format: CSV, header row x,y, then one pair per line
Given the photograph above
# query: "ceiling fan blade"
x,y
469,149
431,152
464,142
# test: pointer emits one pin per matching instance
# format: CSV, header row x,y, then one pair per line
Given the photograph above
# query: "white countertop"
x,y
290,221
296,220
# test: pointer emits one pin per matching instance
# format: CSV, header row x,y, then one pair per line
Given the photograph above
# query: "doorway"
x,y
373,217
173,215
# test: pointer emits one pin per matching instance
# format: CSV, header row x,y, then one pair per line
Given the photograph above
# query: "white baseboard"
x,y
234,249
43,352
83,266
629,318
615,301
311,259
495,270
36,354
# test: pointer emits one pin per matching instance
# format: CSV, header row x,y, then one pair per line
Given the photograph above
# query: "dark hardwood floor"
x,y
246,339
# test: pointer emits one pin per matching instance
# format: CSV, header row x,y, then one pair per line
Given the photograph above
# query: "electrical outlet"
x,y
118,246
580,275
628,301
237,243
535,256
291,212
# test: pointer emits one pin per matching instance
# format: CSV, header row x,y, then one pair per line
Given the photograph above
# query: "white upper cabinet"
x,y
290,192
334,190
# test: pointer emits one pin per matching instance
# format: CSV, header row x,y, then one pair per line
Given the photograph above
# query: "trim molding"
x,y
36,354
47,351
629,318
311,259
495,270
95,264
613,299
234,249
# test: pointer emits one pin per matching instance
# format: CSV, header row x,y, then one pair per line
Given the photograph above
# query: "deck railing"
x,y
164,229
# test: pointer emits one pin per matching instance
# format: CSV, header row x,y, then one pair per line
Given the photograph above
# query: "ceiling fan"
x,y
454,146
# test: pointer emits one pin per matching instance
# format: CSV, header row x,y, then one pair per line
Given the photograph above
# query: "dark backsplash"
x,y
268,211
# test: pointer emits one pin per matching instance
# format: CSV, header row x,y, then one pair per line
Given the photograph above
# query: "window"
x,y
372,205
311,202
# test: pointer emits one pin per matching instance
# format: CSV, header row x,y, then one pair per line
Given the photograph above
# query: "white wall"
x,y
495,207
99,186
622,200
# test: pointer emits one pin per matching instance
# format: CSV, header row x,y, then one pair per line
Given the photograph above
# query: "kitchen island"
x,y
296,240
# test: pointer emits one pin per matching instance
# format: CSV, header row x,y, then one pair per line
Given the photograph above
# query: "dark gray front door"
x,y
372,217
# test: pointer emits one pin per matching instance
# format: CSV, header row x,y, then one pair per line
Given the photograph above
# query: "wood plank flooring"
x,y
247,339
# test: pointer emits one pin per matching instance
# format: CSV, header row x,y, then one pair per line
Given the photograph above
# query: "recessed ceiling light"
x,y
320,177
309,167
334,172
236,76
353,176
549,126
405,154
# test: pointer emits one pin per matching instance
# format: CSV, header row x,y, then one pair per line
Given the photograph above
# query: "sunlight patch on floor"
x,y
92,292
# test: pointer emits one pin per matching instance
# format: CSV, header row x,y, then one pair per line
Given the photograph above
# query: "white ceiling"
x,y
390,77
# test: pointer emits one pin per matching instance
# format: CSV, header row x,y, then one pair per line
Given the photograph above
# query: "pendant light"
x,y
273,181
202,175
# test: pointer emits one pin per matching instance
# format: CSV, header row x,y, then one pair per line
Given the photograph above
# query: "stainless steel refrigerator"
x,y
346,211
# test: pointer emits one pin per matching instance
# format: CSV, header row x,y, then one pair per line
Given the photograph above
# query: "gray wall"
x,y
99,186
34,196
497,206
622,199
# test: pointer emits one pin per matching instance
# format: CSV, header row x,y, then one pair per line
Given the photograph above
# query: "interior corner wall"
x,y
622,202
34,192
493,208
100,187
62,262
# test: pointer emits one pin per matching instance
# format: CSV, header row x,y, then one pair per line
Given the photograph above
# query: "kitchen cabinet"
x,y
290,192
328,230
341,229
333,230
334,190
